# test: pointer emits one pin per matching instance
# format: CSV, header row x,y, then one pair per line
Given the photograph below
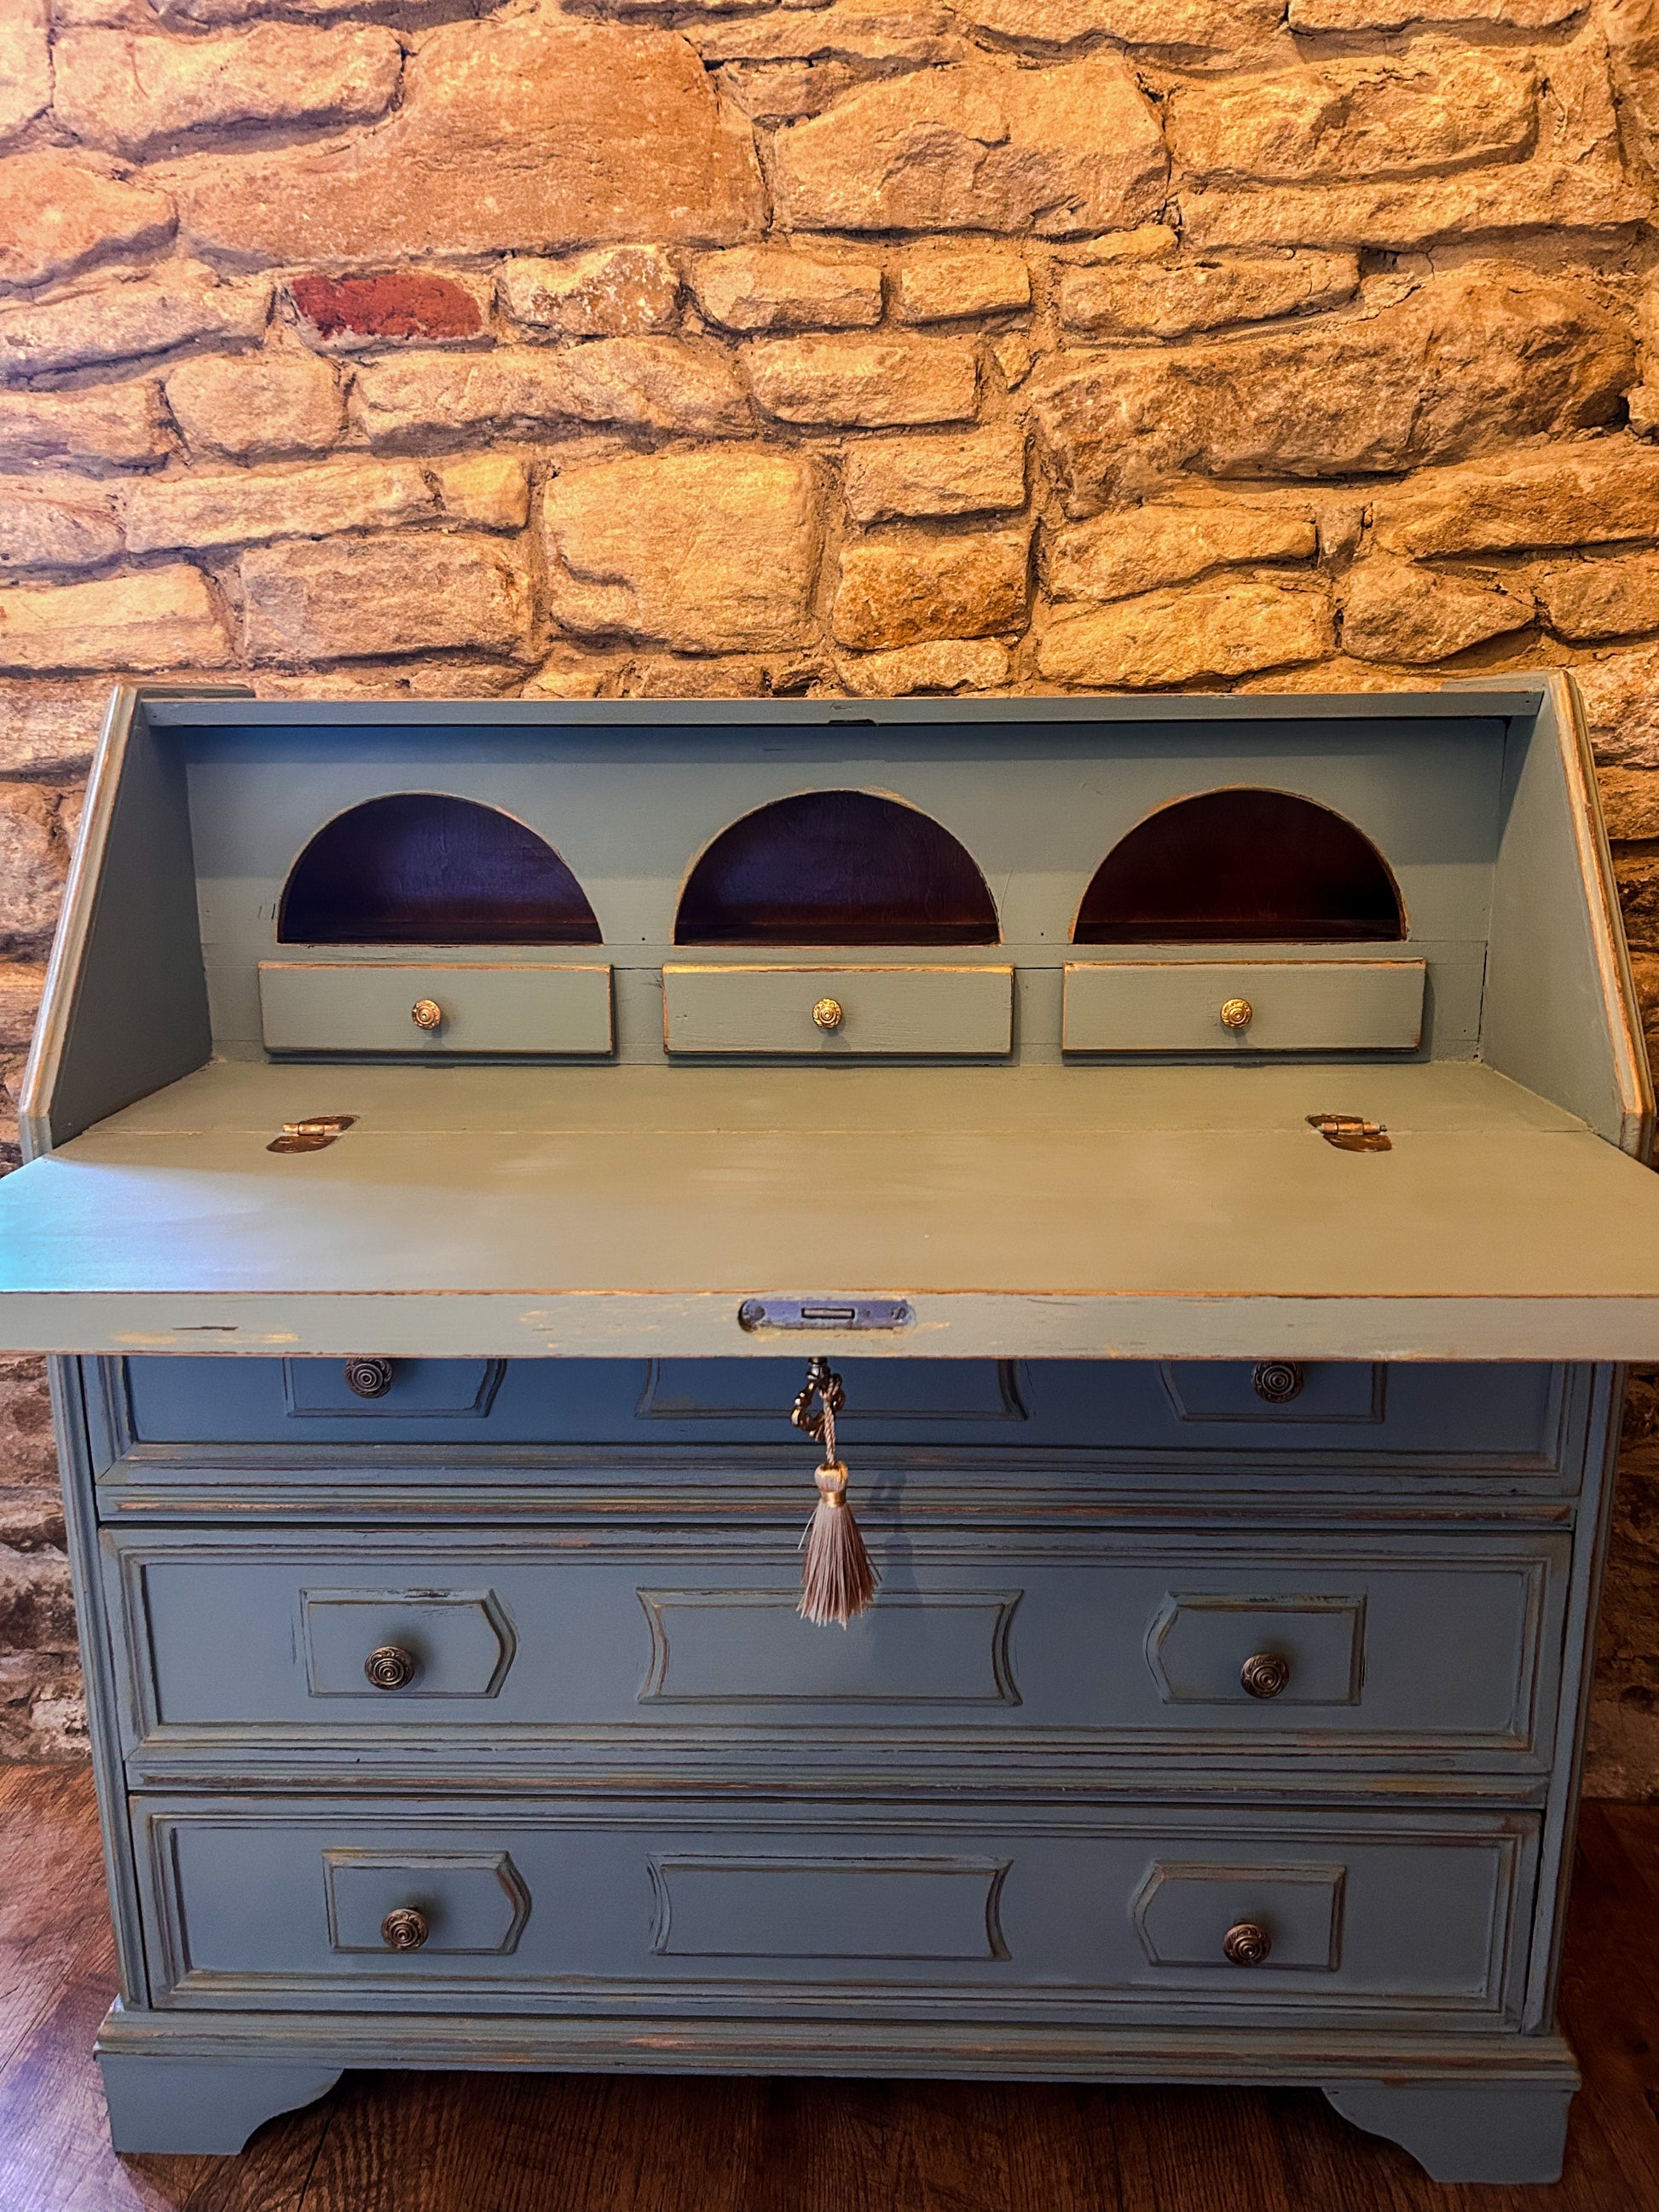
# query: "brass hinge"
x,y
1350,1135
311,1135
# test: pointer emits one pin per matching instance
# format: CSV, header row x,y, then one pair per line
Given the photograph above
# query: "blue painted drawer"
x,y
286,1903
607,1644
1406,1416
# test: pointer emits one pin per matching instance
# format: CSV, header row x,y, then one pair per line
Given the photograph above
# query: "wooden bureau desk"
x,y
1206,1134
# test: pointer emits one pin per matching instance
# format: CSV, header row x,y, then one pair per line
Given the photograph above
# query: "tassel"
x,y
838,1580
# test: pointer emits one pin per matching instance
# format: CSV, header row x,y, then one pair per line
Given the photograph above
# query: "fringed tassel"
x,y
837,1581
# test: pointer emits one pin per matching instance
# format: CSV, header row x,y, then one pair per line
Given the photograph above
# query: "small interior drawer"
x,y
375,1007
1272,1005
838,1012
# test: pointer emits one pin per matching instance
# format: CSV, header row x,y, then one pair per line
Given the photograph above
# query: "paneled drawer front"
x,y
1392,1645
291,1903
376,1007
1243,1005
1231,1411
838,1013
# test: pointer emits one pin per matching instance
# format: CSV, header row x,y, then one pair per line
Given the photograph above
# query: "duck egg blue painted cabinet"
x,y
1207,1135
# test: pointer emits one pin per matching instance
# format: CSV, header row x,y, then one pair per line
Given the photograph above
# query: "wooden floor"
x,y
552,2144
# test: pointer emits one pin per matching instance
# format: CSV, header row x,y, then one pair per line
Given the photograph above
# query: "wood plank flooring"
x,y
580,2143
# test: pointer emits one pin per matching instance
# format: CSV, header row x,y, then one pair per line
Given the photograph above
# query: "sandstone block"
x,y
58,213
256,404
984,147
1573,495
1612,598
1218,629
241,507
346,313
1225,26
134,94
1395,611
37,1607
1148,241
942,664
122,317
22,984
489,490
1014,356
725,562
212,14
656,384
1632,35
982,472
614,291
1117,556
787,92
160,618
512,135
1574,176
1310,16
124,424
25,66
48,728
915,37
1397,217
942,284
57,522
567,675
761,287
728,676
1475,356
33,861
1630,807
1122,299
898,591
873,384
1338,674
335,600
1436,108
1621,692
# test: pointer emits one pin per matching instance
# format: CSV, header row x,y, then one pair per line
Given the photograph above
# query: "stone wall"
x,y
653,347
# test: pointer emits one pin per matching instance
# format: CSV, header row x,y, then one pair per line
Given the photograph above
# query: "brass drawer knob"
x,y
1237,1013
1277,1381
1247,1944
368,1378
404,1928
426,1013
828,1013
390,1667
1265,1674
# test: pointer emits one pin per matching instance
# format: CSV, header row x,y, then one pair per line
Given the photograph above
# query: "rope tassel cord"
x,y
838,1580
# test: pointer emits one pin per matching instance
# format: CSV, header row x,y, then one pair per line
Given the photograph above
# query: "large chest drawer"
x,y
292,1904
1203,1413
619,1645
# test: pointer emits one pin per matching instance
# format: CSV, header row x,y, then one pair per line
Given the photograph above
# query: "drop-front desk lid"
x,y
1037,1201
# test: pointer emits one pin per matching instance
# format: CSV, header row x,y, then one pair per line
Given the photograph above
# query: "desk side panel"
x,y
125,1010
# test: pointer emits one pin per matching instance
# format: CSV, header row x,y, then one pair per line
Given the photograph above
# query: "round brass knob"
x,y
1247,1944
390,1668
828,1013
1236,1014
368,1378
404,1928
426,1013
1265,1674
1277,1381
